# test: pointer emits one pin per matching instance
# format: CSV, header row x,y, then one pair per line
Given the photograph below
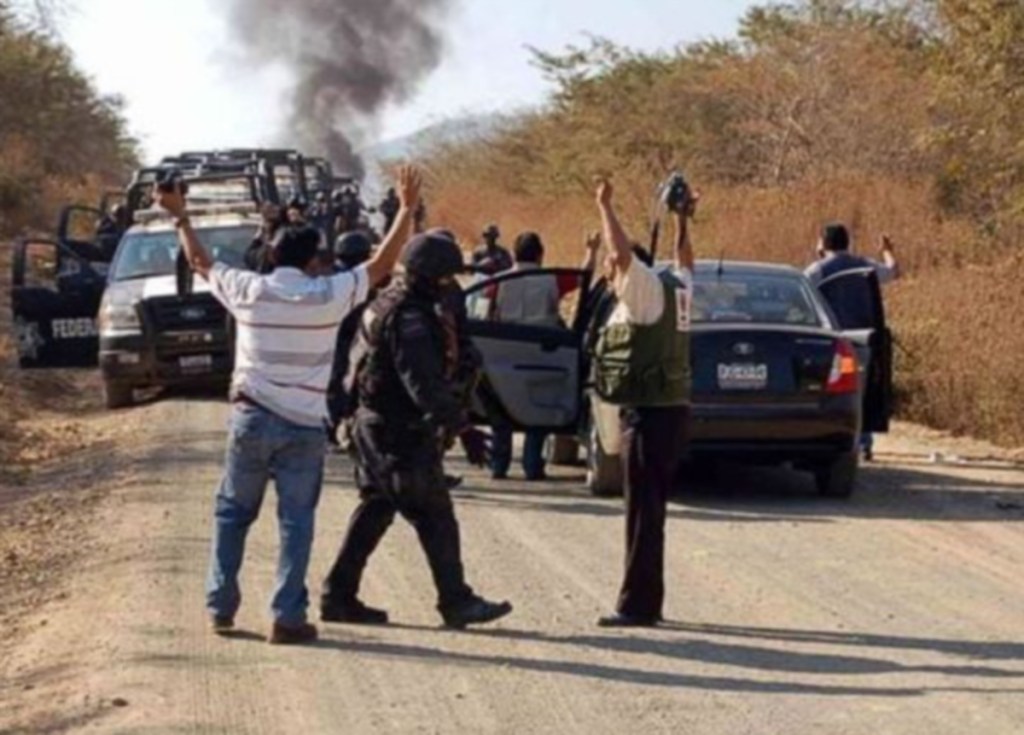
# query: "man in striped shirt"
x,y
287,328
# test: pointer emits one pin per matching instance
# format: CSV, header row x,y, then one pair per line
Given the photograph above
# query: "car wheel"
x,y
564,451
838,478
118,395
604,471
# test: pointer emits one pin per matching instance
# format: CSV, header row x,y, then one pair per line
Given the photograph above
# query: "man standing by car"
x,y
287,326
642,363
404,373
491,258
853,300
531,302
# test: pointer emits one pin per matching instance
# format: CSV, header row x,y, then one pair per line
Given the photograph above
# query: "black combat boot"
x,y
475,611
353,612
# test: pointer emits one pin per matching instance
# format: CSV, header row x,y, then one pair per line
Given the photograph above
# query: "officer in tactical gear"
x,y
389,208
642,363
403,371
258,255
491,258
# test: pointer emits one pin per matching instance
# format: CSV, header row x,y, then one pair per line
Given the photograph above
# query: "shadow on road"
x,y
758,495
697,651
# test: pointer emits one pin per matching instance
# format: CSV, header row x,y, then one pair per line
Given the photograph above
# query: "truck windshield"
x,y
151,254
753,298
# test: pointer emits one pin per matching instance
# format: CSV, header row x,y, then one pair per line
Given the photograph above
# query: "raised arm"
x,y
684,246
888,252
173,202
615,236
592,243
410,183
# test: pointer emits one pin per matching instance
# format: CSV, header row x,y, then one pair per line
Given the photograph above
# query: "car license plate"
x,y
742,377
196,363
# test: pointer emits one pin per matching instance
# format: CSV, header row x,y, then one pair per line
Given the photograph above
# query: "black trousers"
x,y
654,440
399,474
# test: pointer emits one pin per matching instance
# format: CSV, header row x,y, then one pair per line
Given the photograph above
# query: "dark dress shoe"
x,y
618,620
292,635
353,613
475,612
221,624
452,481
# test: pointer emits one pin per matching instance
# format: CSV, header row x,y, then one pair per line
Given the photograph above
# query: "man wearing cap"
x,y
287,326
403,371
491,258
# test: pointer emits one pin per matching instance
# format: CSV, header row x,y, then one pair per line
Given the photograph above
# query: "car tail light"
x,y
843,377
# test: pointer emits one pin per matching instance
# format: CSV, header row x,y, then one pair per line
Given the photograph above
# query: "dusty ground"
x,y
901,611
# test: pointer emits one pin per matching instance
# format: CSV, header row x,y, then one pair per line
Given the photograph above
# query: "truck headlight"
x,y
119,316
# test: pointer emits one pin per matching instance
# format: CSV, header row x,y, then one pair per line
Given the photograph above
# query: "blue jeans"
x,y
533,453
261,446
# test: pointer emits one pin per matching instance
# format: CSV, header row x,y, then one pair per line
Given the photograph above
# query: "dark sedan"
x,y
775,381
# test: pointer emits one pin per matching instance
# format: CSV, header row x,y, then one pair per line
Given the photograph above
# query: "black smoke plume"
x,y
349,58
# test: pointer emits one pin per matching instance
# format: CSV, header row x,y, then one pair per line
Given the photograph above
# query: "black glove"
x,y
478,447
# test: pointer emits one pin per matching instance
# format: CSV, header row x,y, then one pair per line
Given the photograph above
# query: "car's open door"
x,y
55,297
855,296
529,327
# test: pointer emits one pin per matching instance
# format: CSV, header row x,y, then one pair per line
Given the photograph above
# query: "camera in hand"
x,y
676,194
170,179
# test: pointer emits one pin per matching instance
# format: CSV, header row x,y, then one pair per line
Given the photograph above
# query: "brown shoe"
x,y
292,635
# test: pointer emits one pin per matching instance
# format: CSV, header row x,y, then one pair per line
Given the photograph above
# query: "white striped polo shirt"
x,y
287,333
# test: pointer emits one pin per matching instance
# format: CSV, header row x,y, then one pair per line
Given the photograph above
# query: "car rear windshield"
x,y
151,254
753,298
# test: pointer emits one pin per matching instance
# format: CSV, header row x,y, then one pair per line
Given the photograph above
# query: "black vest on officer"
x,y
372,378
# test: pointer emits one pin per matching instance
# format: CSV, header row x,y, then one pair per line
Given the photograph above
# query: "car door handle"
x,y
549,346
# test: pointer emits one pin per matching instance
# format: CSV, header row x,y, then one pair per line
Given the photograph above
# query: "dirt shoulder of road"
x,y
61,454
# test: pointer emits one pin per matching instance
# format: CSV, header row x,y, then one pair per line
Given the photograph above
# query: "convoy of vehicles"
x,y
775,381
106,293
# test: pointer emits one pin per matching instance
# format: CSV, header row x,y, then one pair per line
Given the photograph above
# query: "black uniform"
x,y
389,208
492,259
407,413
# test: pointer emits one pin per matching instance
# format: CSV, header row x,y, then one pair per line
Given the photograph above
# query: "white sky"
x,y
173,63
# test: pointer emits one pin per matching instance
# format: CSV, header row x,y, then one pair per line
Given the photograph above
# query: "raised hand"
x,y
605,191
410,186
173,202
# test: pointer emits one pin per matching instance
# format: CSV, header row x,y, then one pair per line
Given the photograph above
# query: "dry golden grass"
x,y
960,327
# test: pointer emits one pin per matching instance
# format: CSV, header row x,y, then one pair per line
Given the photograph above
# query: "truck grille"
x,y
199,311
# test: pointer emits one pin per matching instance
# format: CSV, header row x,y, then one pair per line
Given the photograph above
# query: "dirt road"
x,y
901,611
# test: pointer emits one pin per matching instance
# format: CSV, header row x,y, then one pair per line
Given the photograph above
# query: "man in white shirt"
x,y
651,323
288,323
534,302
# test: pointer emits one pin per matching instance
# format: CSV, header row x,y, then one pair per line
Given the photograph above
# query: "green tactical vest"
x,y
647,365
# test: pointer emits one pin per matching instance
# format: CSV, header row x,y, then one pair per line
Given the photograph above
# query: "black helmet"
x,y
353,249
432,257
